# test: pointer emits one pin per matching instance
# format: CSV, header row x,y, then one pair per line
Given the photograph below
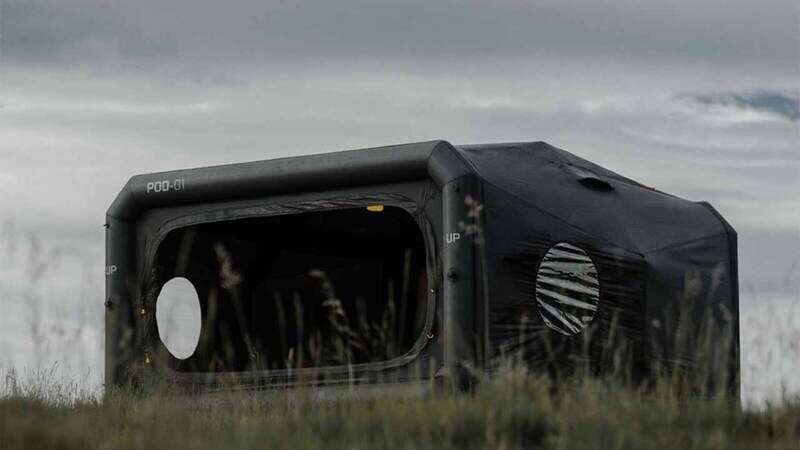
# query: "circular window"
x,y
178,317
567,289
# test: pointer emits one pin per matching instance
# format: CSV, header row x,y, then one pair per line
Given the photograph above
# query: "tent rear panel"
x,y
666,267
514,252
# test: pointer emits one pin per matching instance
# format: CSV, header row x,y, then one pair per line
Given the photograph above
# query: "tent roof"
x,y
581,193
585,195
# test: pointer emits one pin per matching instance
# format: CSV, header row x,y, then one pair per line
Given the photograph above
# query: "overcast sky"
x,y
697,98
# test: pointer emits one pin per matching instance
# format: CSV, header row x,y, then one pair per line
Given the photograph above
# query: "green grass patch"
x,y
512,410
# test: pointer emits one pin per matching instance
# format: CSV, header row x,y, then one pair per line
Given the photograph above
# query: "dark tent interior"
x,y
312,289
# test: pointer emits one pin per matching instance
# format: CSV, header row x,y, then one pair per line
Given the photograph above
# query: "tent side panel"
x,y
518,235
692,315
131,244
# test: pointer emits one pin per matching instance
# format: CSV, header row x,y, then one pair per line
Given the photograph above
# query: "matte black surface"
x,y
666,267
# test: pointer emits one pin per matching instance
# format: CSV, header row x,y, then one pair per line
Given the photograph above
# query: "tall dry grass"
x,y
514,409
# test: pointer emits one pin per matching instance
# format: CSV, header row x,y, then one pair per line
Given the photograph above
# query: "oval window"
x,y
567,289
178,317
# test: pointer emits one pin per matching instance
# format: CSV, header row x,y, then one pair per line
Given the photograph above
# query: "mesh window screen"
x,y
567,289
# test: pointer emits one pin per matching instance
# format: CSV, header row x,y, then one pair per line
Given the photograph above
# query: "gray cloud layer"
x,y
760,36
784,104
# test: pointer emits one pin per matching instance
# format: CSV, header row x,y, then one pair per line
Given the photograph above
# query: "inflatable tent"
x,y
410,262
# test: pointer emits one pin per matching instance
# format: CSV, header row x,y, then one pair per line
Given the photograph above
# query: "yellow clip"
x,y
375,208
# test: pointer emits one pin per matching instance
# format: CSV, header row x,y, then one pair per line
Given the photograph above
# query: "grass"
x,y
512,410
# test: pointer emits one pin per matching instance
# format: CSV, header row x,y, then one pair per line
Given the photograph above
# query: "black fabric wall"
x,y
514,250
666,265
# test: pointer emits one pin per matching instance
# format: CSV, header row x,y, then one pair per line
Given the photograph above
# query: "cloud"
x,y
7,178
95,107
146,34
754,105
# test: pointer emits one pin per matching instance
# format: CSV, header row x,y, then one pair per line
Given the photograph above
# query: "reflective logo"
x,y
165,185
